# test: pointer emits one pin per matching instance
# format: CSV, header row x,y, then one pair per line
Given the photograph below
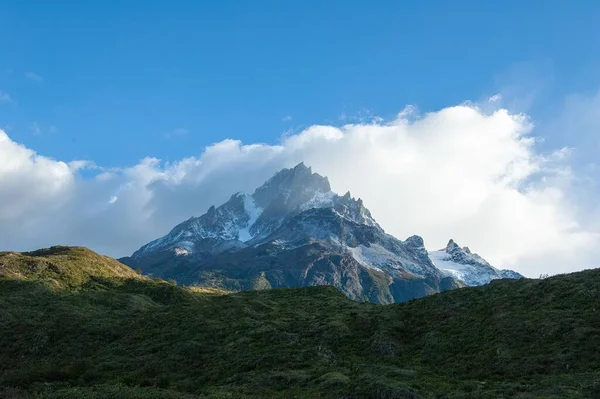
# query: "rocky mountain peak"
x,y
353,209
415,241
452,246
466,266
416,244
294,186
463,255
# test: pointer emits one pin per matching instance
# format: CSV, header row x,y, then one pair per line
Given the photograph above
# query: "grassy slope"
x,y
61,267
69,330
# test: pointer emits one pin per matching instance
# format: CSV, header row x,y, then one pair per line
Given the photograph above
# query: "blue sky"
x,y
501,154
117,81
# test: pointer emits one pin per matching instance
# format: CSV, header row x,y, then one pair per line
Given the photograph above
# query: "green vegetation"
x,y
74,324
62,267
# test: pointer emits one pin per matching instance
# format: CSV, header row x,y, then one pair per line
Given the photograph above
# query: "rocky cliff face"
x,y
294,231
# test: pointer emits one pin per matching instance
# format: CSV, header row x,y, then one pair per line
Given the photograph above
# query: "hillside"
x,y
62,266
106,332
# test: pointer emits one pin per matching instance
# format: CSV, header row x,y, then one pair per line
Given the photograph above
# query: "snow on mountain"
x,y
377,257
253,212
467,267
319,200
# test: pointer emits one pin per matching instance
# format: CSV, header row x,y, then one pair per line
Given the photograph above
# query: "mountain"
x,y
111,333
294,231
467,267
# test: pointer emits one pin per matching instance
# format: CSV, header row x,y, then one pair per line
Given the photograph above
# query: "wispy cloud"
x,y
495,98
286,118
34,76
35,128
363,115
38,129
5,97
179,132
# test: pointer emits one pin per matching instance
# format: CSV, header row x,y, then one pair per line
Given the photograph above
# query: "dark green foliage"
x,y
98,334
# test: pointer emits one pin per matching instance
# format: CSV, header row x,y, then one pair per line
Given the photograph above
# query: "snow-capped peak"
x,y
464,255
463,265
247,218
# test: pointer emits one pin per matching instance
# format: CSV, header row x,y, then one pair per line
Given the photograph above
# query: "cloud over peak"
x,y
458,172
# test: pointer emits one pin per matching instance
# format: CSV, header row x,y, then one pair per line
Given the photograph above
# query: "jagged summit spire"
x,y
452,246
302,166
299,183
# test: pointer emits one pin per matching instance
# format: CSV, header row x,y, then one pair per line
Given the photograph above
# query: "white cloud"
x,y
31,186
457,173
286,118
34,76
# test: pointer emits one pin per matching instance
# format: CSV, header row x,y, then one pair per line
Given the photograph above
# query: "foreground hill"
x,y
124,336
62,266
293,231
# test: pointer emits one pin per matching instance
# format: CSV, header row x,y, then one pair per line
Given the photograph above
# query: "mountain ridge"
x,y
295,208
